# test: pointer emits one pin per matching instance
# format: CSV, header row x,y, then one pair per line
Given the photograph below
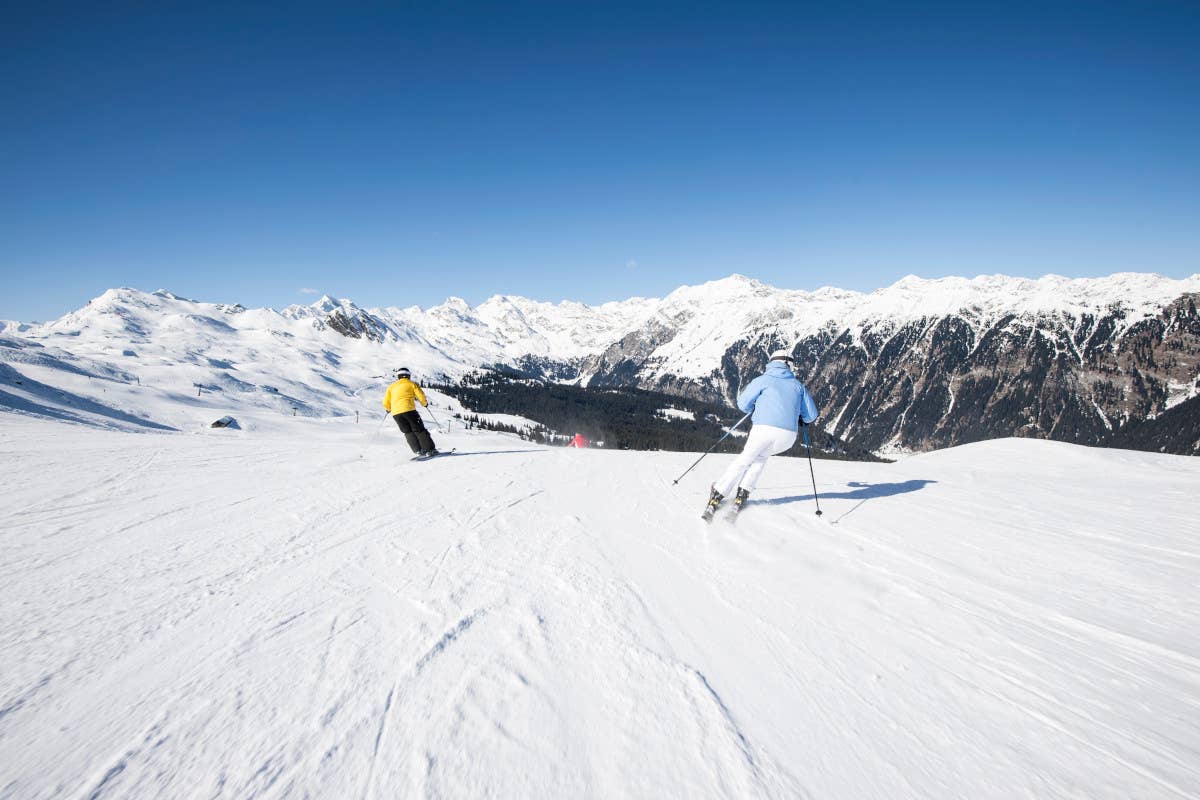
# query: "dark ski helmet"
x,y
403,373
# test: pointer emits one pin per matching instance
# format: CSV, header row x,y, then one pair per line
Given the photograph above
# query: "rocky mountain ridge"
x,y
918,365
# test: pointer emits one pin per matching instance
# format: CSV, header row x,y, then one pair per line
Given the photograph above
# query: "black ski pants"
x,y
413,428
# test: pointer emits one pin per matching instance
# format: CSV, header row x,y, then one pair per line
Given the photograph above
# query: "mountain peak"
x,y
328,304
732,286
738,279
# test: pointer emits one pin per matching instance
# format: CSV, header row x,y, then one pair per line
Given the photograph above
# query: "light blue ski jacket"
x,y
777,398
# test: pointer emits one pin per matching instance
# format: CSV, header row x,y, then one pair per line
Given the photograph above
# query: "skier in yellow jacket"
x,y
400,401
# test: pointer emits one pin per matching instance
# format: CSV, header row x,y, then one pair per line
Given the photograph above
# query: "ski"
x,y
714,502
451,451
739,502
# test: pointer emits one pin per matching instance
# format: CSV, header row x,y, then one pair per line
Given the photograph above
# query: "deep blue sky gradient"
x,y
396,153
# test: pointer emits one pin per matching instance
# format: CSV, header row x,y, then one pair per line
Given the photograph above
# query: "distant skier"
x,y
778,400
579,441
400,401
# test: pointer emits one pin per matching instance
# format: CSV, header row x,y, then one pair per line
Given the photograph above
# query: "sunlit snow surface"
x,y
295,609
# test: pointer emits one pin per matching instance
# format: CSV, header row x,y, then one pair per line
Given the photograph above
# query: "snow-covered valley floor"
x,y
300,611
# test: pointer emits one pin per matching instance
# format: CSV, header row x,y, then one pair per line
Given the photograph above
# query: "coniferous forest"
x,y
625,419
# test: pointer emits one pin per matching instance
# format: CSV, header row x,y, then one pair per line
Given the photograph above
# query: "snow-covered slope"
x,y
315,360
295,609
168,359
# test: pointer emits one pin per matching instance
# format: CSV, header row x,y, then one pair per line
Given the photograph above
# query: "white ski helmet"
x,y
782,355
402,373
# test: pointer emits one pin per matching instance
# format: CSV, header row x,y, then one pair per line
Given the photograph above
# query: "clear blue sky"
x,y
399,152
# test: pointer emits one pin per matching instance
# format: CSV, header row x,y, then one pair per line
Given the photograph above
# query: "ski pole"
x,y
804,430
436,421
709,450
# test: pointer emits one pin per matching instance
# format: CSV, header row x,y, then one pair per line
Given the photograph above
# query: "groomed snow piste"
x,y
297,610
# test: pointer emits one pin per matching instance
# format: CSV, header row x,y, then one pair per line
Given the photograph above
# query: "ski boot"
x,y
740,500
714,502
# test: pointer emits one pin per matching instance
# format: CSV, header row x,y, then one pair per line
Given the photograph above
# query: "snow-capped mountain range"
x,y
919,364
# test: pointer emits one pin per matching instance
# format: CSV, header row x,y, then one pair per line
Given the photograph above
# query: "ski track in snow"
x,y
308,613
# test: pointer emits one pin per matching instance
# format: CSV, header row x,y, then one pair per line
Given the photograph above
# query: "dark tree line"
x,y
626,419
1175,431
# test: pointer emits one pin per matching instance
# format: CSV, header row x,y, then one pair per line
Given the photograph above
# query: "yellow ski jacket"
x,y
400,396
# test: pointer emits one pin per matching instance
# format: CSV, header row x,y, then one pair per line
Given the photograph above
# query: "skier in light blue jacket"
x,y
779,403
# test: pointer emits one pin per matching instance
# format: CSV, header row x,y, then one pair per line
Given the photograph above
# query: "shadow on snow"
x,y
862,492
457,454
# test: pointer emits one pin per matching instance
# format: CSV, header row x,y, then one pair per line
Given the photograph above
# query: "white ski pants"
x,y
763,442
